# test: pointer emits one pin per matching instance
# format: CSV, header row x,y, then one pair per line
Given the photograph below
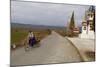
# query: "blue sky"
x,y
46,13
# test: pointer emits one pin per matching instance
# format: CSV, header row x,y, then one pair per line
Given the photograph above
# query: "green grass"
x,y
18,36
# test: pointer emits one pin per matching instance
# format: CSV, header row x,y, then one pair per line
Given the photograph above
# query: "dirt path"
x,y
53,49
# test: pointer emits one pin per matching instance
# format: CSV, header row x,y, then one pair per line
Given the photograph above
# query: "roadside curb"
x,y
77,50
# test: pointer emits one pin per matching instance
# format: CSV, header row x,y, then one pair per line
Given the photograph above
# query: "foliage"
x,y
71,26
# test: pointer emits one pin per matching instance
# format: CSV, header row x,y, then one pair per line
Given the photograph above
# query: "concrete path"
x,y
54,49
86,47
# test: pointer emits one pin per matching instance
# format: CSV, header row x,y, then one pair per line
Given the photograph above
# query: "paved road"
x,y
54,49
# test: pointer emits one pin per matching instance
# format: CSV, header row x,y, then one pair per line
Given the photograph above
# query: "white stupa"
x,y
87,25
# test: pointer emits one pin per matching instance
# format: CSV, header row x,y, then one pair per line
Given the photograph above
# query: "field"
x,y
19,32
18,35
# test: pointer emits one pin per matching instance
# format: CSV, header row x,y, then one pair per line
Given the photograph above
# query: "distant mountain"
x,y
18,25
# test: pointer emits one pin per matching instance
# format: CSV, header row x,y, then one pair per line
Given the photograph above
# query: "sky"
x,y
50,14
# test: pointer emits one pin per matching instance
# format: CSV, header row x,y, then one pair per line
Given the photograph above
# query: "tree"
x,y
72,25
92,9
94,22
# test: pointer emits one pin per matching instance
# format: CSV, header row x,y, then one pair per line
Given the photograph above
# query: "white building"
x,y
87,25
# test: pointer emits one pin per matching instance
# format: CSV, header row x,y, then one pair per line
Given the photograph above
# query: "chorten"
x,y
87,24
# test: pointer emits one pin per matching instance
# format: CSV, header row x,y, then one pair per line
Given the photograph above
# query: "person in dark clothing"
x,y
32,39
